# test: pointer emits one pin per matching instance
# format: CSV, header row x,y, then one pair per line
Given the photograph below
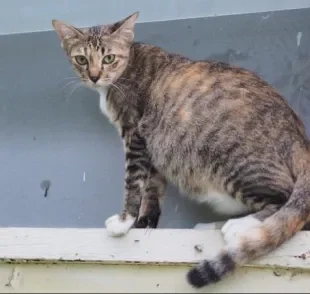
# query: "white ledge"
x,y
48,260
161,246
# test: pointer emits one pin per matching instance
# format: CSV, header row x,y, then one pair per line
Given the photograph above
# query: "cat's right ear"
x,y
65,31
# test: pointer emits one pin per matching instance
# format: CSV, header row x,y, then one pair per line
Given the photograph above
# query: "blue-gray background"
x,y
49,133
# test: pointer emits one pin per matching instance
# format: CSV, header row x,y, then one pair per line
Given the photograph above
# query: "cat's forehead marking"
x,y
94,39
97,36
94,42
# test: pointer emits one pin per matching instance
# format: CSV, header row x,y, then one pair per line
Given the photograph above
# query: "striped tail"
x,y
259,240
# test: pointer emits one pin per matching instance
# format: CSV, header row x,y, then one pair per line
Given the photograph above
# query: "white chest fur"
x,y
103,101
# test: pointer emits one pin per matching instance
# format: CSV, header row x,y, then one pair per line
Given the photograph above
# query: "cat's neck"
x,y
103,92
136,78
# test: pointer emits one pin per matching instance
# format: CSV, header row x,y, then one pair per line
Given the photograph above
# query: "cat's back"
x,y
184,93
171,72
173,78
194,105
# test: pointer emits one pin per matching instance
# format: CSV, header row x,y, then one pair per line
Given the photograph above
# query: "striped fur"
x,y
204,126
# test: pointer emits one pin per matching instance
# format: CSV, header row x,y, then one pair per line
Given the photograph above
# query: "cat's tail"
x,y
264,238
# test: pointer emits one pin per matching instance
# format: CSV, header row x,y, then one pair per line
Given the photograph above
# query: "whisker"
x,y
74,88
67,78
148,231
118,88
68,84
127,88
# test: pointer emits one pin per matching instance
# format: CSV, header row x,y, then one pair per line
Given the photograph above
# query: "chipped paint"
x,y
15,278
9,283
303,256
298,38
266,16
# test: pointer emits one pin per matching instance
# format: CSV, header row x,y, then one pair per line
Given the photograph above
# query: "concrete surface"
x,y
50,132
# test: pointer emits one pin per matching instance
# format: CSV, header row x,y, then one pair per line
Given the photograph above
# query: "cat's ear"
x,y
66,31
125,27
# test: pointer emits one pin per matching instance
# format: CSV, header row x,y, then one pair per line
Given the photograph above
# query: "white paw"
x,y
233,228
116,227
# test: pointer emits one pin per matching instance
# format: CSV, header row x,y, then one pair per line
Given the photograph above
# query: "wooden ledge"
x,y
43,260
161,246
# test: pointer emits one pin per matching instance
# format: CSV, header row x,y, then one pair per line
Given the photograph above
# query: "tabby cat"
x,y
220,133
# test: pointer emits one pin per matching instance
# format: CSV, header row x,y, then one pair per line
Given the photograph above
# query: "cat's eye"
x,y
108,59
80,59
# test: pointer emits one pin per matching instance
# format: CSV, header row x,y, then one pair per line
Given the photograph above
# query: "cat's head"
x,y
98,54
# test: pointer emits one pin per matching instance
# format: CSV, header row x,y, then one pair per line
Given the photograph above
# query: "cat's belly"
x,y
197,185
196,182
222,203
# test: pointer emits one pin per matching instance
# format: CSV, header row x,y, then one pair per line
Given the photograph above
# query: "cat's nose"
x,y
94,78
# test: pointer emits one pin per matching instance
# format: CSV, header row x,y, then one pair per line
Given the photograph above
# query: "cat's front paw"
x,y
116,226
148,221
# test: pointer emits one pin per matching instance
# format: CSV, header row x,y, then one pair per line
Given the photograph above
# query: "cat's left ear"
x,y
126,26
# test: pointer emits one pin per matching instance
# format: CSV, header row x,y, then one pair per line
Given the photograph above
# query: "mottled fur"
x,y
212,129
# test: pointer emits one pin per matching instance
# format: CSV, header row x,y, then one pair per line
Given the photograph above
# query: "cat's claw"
x,y
148,221
117,227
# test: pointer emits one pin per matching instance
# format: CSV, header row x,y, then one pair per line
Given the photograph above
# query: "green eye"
x,y
108,59
80,59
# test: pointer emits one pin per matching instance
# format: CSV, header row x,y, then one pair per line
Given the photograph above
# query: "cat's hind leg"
x,y
237,226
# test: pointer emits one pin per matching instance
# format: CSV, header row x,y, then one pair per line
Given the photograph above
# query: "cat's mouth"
x,y
97,84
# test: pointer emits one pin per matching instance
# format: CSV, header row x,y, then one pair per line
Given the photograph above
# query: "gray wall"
x,y
18,16
50,132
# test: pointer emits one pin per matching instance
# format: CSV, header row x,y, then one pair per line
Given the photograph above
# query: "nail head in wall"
x,y
45,186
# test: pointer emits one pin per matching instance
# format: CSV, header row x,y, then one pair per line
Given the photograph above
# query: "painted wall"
x,y
34,15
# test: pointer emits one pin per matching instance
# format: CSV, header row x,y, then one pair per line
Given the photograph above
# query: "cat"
x,y
219,132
